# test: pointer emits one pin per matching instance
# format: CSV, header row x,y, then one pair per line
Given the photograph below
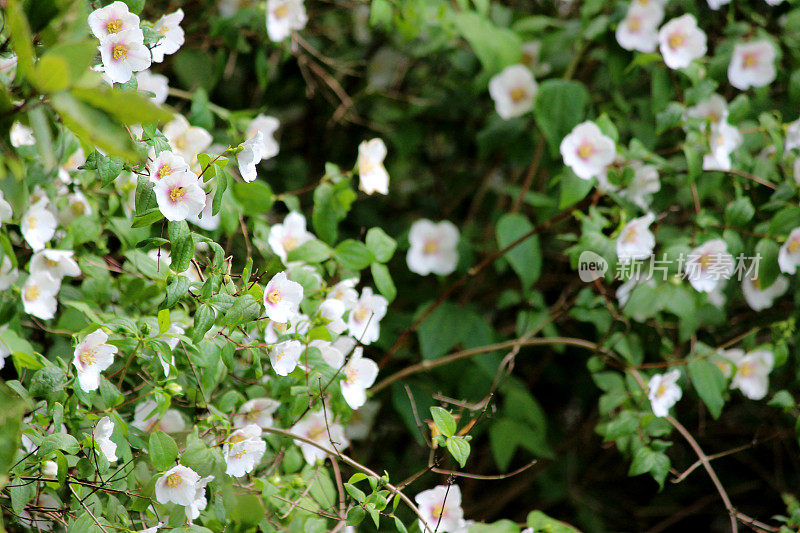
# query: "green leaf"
x,y
313,251
739,212
95,127
709,383
559,107
176,288
383,281
108,168
164,321
495,46
58,441
444,421
647,460
331,204
353,255
541,522
244,309
21,39
256,198
162,450
203,320
51,74
573,189
380,244
357,494
126,106
459,448
526,257
182,245
355,515
768,269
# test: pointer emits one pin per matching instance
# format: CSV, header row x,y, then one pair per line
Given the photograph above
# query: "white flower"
x,y
681,41
752,64
284,16
713,110
433,247
38,225
169,27
93,355
752,371
57,263
645,182
440,506
635,241
313,426
180,196
8,274
759,299
21,135
8,65
587,151
345,292
258,411
284,356
513,91
177,485
77,206
205,219
267,126
5,209
158,84
365,317
186,140
639,29
360,374
146,418
360,424
330,353
793,135
774,2
789,254
111,20
250,155
49,468
153,529
716,4
664,392
39,295
102,435
200,502
372,174
708,264
282,298
299,324
283,238
333,310
243,450
124,53
723,141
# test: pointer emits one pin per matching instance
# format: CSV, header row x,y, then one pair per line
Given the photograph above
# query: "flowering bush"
x,y
440,266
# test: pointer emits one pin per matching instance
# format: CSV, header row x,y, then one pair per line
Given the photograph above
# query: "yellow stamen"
x,y
431,247
32,293
282,11
705,261
113,26
165,170
88,357
289,243
635,24
750,60
352,375
746,370
362,314
585,150
676,40
32,222
174,480
274,296
794,246
437,511
119,52
316,432
517,94
176,194
238,437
